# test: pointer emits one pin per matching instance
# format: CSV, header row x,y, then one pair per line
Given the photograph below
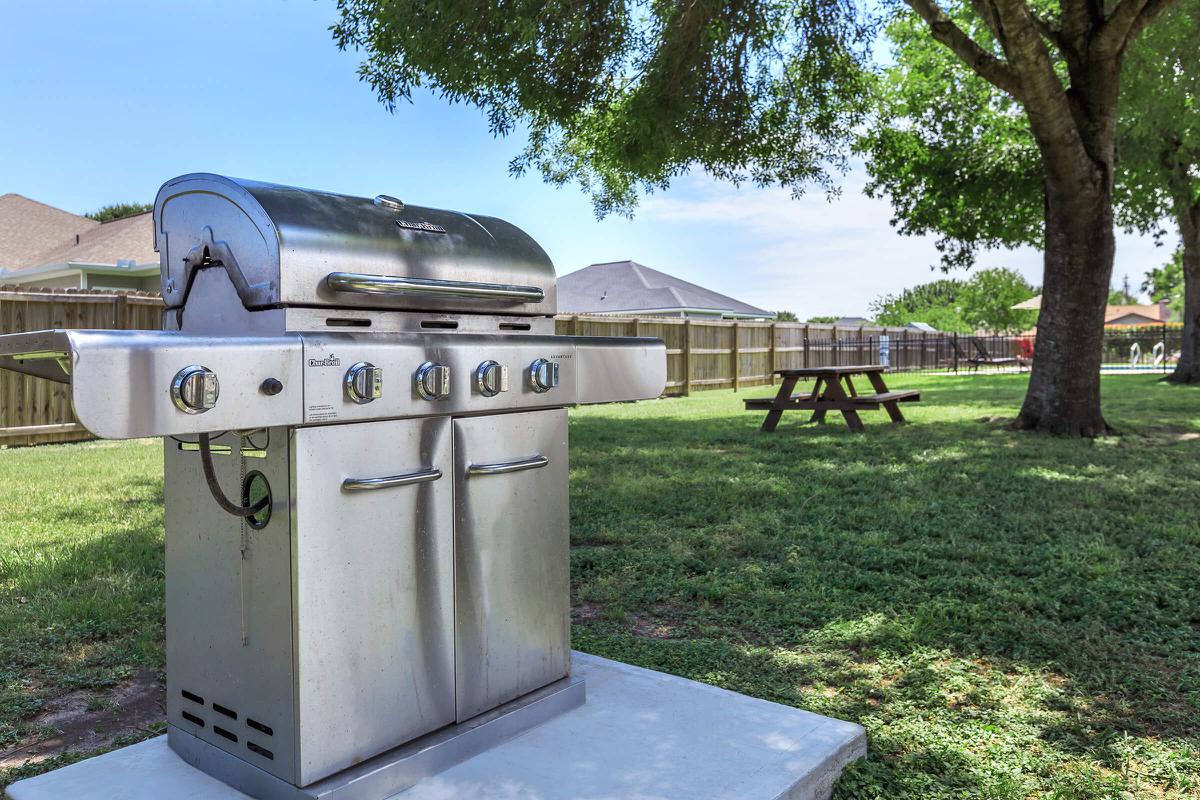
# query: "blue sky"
x,y
101,102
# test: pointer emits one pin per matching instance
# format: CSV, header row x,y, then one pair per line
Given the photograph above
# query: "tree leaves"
x,y
621,98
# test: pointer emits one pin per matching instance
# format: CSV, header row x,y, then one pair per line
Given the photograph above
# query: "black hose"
x,y
210,476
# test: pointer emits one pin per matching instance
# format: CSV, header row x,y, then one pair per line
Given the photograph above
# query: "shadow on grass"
x,y
869,576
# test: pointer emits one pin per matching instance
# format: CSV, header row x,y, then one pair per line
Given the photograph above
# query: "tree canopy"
x,y
953,154
981,303
623,97
1166,283
119,211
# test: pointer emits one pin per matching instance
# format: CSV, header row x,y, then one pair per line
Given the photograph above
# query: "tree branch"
x,y
995,71
1052,32
1125,23
1151,12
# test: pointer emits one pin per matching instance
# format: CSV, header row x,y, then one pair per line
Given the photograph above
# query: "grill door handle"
x,y
391,285
505,467
370,484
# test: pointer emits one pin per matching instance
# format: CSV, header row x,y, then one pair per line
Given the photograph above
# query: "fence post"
x,y
121,312
956,352
737,356
833,339
805,337
635,327
687,357
771,354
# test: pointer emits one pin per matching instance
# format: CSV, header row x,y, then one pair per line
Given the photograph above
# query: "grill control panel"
x,y
465,373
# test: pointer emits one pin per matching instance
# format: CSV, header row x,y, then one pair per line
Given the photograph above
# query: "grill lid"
x,y
285,246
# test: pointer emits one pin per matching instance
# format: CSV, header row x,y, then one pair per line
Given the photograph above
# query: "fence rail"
x,y
701,354
35,410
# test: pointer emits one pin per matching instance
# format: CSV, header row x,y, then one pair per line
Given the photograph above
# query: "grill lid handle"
x,y
389,285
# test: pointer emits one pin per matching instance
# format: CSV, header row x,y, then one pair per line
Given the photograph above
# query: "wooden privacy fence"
x,y
732,354
701,354
35,410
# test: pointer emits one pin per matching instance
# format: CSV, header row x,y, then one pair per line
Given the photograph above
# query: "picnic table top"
x,y
859,369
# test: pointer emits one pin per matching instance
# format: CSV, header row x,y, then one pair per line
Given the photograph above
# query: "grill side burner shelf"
x,y
363,407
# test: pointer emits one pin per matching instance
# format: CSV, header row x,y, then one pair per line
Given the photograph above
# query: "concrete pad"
x,y
642,735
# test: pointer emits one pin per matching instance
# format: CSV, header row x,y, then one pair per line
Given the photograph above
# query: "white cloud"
x,y
817,257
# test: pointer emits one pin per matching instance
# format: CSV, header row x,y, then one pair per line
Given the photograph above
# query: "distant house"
x,y
923,327
47,248
1155,314
627,287
853,322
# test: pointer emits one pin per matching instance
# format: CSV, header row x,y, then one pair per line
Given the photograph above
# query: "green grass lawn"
x,y
1009,615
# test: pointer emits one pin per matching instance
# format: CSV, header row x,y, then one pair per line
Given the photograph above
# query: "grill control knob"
x,y
364,382
491,378
195,389
433,381
543,375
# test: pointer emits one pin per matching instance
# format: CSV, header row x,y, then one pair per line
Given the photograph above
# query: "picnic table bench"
x,y
833,390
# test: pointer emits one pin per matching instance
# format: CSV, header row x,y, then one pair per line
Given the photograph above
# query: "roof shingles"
x,y
626,286
28,229
35,235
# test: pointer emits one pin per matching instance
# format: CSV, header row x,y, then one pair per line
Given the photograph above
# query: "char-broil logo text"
x,y
423,227
328,361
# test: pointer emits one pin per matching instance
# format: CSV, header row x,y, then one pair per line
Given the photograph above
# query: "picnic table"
x,y
833,390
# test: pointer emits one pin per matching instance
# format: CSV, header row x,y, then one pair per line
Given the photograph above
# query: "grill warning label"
x,y
320,414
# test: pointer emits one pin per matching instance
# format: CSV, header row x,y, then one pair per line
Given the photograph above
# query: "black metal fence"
x,y
1148,349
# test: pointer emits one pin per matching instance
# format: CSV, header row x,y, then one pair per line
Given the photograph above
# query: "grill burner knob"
x,y
195,389
364,382
491,378
433,381
543,375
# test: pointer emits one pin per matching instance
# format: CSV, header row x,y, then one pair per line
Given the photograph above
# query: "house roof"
x,y
121,240
852,322
627,286
29,229
1153,313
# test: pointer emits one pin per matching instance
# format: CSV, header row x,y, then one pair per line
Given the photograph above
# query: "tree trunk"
x,y
1188,368
1064,388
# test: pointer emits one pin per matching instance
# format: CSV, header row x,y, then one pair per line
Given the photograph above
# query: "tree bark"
x,y
1188,368
1078,153
1064,387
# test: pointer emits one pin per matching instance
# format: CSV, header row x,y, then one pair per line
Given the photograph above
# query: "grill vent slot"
x,y
262,751
347,322
219,731
195,698
258,726
192,718
439,324
515,326
220,709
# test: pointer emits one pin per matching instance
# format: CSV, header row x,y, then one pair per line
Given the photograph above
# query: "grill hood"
x,y
283,246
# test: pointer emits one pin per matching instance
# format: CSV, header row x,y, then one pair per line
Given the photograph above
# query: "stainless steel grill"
x,y
363,406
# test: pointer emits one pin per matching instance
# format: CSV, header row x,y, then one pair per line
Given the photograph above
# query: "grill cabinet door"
x,y
373,589
511,579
